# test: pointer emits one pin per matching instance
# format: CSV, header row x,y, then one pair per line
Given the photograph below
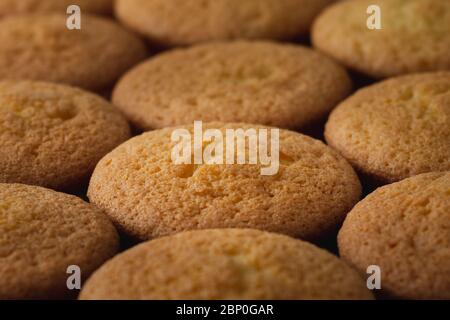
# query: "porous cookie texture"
x,y
397,128
42,233
404,228
283,85
8,7
41,47
147,195
172,22
54,135
414,36
252,264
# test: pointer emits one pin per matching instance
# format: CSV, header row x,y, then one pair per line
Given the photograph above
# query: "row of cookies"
x,y
37,45
147,196
401,228
390,131
44,232
39,112
252,78
53,135
414,35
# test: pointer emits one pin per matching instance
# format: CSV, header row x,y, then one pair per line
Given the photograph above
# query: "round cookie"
x,y
41,47
404,228
252,264
26,6
282,85
414,37
42,233
53,135
395,129
147,195
171,22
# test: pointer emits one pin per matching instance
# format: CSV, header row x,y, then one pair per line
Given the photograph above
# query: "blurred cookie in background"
x,y
414,36
8,7
253,265
186,22
41,47
148,194
42,234
54,135
404,229
396,128
267,83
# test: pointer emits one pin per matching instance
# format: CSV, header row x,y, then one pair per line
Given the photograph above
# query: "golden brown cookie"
x,y
225,264
42,233
172,22
8,7
147,195
41,47
282,85
414,36
54,135
404,228
397,128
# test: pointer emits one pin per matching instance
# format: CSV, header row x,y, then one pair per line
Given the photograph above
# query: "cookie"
x,y
8,7
404,228
414,36
42,233
253,265
397,128
53,135
171,22
41,47
148,195
282,85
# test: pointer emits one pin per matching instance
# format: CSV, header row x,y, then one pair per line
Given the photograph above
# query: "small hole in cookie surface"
x,y
286,159
185,170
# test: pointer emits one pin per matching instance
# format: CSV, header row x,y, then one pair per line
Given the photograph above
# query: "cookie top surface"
x,y
173,22
414,37
42,233
405,229
41,47
252,264
53,135
27,6
283,85
147,195
397,128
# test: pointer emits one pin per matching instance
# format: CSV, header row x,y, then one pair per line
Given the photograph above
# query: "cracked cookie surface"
x,y
147,195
